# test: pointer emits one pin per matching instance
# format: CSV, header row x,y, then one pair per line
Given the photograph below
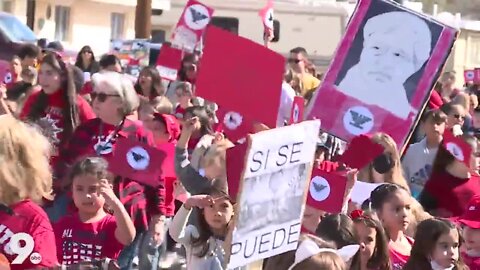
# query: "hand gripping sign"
x,y
192,24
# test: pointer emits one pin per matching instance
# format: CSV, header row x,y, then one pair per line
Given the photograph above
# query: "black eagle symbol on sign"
x,y
455,152
318,187
358,120
197,16
103,147
137,157
270,18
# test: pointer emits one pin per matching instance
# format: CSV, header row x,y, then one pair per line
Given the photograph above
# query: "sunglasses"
x,y
87,52
293,60
458,116
102,97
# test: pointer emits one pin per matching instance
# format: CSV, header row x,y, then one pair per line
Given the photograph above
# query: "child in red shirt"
x,y
92,234
452,183
470,221
392,204
25,178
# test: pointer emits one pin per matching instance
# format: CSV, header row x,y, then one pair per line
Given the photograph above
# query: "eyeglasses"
x,y
102,97
458,116
294,61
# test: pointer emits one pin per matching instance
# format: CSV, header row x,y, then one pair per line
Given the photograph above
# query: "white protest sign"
x,y
273,191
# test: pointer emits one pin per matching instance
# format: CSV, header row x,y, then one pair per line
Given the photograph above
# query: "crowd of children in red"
x,y
62,205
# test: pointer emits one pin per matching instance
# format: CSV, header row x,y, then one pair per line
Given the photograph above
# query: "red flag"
x,y
469,75
476,78
360,152
168,63
191,25
137,161
248,81
298,105
267,16
326,191
235,165
233,124
460,149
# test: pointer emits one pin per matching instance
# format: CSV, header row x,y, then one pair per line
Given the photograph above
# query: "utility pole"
x,y
143,19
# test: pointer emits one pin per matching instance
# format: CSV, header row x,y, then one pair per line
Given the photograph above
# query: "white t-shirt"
x,y
286,101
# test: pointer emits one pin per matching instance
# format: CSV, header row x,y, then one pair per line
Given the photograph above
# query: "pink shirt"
x,y
78,241
28,218
472,262
399,260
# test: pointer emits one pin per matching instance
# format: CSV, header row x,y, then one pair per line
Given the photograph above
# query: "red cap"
x,y
471,217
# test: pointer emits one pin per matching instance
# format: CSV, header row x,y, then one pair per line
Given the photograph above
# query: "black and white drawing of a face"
x,y
396,45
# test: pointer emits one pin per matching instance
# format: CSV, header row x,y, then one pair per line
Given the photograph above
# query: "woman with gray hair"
x,y
395,46
114,98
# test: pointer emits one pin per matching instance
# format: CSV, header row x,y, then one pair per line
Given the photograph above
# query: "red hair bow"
x,y
357,214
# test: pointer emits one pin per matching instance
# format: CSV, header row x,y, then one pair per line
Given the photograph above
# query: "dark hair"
x,y
108,60
156,82
189,58
426,237
380,259
96,166
79,61
42,43
78,78
436,115
445,158
299,50
28,50
339,229
203,240
55,46
67,86
381,194
204,116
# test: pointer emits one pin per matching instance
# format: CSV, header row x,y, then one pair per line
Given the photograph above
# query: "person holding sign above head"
x,y
396,45
25,179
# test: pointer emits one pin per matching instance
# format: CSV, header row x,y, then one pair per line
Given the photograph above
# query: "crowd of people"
x,y
61,121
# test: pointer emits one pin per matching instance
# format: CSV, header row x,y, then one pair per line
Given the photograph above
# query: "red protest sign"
x,y
326,191
298,105
361,151
469,75
137,161
168,63
193,21
459,149
253,74
267,16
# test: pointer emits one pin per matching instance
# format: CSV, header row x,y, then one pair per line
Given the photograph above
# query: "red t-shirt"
x,y
28,218
435,101
78,241
472,262
399,260
447,192
51,122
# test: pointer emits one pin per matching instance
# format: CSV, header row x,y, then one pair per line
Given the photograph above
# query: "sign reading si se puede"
x,y
272,192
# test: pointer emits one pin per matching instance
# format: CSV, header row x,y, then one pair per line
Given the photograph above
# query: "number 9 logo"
x,y
23,252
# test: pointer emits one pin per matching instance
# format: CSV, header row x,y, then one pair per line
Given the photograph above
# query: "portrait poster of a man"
x,y
383,71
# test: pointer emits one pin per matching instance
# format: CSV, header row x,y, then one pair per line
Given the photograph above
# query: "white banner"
x,y
272,195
